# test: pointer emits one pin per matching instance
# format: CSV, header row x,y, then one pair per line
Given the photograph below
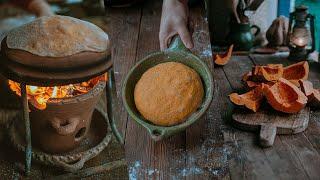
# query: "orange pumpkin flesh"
x,y
271,72
251,100
297,71
285,97
225,58
252,84
280,86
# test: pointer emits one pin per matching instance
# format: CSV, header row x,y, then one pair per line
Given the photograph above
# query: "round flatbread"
x,y
58,36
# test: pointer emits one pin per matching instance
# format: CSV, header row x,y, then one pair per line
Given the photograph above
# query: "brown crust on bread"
x,y
81,59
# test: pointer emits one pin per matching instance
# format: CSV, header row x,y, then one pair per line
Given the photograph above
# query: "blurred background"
x,y
262,13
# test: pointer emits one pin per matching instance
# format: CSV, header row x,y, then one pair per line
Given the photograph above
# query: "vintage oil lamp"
x,y
301,38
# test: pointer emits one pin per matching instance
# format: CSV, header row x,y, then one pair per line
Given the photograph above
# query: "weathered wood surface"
x,y
267,135
212,148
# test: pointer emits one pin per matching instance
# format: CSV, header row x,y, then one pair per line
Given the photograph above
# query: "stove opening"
x,y
39,96
80,133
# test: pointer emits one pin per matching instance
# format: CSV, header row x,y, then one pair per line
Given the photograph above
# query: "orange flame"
x,y
39,96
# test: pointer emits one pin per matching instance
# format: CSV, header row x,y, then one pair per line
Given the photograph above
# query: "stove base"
x,y
98,138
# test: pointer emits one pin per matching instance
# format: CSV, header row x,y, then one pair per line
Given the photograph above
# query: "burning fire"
x,y
39,96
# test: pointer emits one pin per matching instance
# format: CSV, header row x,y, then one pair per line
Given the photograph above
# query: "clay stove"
x,y
60,126
60,116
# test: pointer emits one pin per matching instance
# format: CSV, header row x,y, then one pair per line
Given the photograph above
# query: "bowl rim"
x,y
164,130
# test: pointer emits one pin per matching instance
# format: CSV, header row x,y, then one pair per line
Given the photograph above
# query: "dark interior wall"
x,y
219,20
220,14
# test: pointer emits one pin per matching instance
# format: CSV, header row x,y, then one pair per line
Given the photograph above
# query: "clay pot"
x,y
65,122
241,36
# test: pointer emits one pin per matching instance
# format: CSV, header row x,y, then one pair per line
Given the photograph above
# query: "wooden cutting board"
x,y
269,122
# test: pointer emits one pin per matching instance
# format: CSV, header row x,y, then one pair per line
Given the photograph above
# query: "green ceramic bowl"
x,y
177,52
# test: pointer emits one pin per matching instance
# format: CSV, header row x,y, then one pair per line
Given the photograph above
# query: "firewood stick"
x,y
27,128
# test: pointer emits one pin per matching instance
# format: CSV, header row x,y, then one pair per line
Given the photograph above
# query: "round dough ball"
x,y
168,93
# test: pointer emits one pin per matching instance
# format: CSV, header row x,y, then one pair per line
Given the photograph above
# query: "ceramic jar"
x,y
241,36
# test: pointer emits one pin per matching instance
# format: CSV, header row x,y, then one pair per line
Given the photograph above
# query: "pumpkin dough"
x,y
168,93
58,36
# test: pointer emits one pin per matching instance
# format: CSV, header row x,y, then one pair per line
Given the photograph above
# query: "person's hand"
x,y
174,20
40,8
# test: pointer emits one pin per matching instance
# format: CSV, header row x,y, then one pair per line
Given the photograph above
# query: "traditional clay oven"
x,y
65,122
54,52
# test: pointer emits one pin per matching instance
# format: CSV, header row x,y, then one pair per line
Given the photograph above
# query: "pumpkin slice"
x,y
270,72
307,88
285,97
315,98
252,84
247,79
247,76
312,94
251,100
225,58
297,71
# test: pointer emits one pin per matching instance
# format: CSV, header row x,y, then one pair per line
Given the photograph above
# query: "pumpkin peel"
x,y
224,58
251,100
270,72
284,96
252,84
247,76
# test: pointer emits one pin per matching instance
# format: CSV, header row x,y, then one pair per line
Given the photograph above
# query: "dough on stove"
x,y
168,93
58,36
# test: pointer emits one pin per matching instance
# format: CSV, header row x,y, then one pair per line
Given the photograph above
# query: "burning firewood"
x,y
39,96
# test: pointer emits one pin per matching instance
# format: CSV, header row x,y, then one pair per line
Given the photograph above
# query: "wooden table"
x,y
211,148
